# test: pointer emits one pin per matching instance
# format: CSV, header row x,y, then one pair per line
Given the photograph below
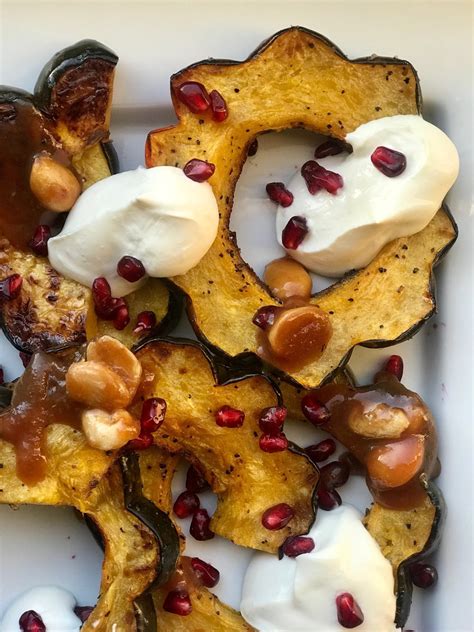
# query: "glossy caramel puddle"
x,y
39,400
393,463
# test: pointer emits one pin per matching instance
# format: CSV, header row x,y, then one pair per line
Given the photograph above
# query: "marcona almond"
x,y
96,385
116,355
395,464
109,431
286,278
300,333
54,185
380,422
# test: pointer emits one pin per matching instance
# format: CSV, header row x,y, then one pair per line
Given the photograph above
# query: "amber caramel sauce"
x,y
398,459
39,400
301,331
24,134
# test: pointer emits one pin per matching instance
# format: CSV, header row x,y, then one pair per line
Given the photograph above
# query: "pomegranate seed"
x,y
272,419
277,517
200,529
352,463
331,147
10,287
83,612
218,106
152,415
195,481
314,410
186,504
25,358
106,307
253,148
297,545
39,242
423,575
142,442
228,417
349,613
277,192
334,474
198,170
321,451
30,621
265,317
388,161
178,602
328,499
294,232
394,365
317,178
273,443
194,95
121,317
145,322
207,574
131,269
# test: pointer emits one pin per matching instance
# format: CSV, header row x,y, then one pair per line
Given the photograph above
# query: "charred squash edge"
x,y
380,343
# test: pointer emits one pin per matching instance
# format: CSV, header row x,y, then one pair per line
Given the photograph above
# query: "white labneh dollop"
x,y
157,215
347,230
54,605
299,594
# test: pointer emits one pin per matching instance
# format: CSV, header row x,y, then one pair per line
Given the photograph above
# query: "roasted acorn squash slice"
x,y
247,480
297,78
71,107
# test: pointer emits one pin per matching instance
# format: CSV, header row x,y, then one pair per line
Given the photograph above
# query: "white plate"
x,y
155,39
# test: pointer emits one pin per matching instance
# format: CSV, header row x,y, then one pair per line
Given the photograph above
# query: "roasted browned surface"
x,y
246,480
298,79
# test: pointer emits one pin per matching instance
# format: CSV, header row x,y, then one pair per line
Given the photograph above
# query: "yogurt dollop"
x,y
54,605
300,593
158,215
348,229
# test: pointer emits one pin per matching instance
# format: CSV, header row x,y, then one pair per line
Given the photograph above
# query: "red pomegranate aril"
x,y
277,192
199,170
195,481
277,517
105,306
121,318
328,499
297,545
152,415
131,269
423,575
101,291
349,613
178,602
83,612
272,419
186,504
321,451
273,443
218,106
200,526
331,147
253,148
194,95
265,317
334,474
39,242
207,574
354,465
317,178
30,621
389,161
142,442
294,232
145,322
394,365
314,410
10,287
228,417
